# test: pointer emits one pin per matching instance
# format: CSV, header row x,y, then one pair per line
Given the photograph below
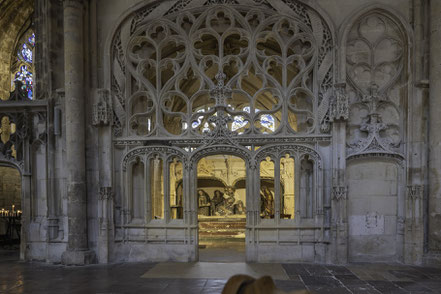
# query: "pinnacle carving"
x,y
102,111
339,106
221,133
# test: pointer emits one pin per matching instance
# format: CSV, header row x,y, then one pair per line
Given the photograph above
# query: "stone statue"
x,y
203,198
216,201
204,203
230,205
266,202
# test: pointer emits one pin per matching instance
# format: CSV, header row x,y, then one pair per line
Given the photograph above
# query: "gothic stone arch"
x,y
375,57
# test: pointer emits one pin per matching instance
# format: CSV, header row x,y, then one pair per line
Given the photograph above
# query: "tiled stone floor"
x,y
18,277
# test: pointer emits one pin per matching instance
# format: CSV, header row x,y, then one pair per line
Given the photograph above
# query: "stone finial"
x,y
221,92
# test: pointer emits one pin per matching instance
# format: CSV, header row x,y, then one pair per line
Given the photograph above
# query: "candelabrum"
x,y
10,213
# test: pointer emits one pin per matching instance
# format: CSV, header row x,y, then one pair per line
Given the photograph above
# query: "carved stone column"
x,y
434,217
77,252
102,119
339,113
414,229
417,140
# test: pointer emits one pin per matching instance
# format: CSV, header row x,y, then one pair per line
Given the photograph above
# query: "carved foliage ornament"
x,y
376,57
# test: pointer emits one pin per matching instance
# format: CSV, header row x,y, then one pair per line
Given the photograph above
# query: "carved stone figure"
x,y
204,203
266,202
218,199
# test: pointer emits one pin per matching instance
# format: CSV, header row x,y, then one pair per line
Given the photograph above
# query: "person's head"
x,y
200,192
217,193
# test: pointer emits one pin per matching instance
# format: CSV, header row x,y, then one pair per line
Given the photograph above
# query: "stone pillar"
x,y
77,252
339,114
434,217
102,118
417,141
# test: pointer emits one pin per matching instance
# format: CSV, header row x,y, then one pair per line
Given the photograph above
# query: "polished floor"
x,y
19,277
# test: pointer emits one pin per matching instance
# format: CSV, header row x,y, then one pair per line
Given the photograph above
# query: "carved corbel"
x,y
340,105
102,109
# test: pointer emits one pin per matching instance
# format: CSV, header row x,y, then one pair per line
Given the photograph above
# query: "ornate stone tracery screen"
x,y
278,70
267,72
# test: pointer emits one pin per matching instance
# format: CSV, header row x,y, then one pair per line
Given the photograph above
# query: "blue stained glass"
x,y
25,76
25,58
26,53
267,121
238,123
31,40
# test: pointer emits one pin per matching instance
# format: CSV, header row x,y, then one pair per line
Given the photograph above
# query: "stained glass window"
x,y
23,67
266,120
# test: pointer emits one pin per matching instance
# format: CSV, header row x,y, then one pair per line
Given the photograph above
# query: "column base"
x,y
78,257
432,259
